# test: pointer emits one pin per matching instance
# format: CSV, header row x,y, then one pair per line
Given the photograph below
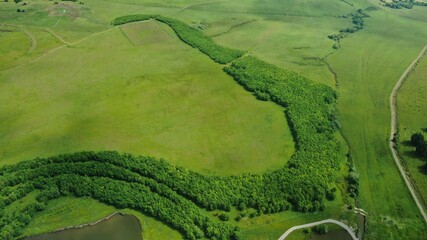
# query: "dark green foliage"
x,y
97,180
12,224
192,36
353,183
330,195
224,216
305,180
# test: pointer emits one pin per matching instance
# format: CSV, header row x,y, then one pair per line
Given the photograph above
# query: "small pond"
x,y
118,227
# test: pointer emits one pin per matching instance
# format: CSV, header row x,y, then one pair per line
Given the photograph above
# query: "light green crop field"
x,y
412,111
137,88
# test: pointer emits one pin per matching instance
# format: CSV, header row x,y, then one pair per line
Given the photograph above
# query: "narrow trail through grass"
x,y
28,33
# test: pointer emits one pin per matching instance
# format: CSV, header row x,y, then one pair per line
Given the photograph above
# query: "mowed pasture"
x,y
412,119
159,98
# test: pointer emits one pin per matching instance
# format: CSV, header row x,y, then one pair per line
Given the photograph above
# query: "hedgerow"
x,y
180,197
398,4
357,18
192,36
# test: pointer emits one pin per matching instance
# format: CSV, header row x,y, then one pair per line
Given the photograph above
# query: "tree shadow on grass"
x,y
411,154
423,169
407,143
424,130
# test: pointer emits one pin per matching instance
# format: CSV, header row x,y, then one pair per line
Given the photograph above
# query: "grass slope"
x,y
190,112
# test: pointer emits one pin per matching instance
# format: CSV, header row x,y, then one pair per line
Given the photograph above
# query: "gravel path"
x,y
308,225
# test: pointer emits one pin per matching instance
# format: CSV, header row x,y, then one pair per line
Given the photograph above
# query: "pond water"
x,y
361,219
118,227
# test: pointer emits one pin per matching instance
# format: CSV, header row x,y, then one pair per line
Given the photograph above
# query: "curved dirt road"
x,y
394,131
28,33
347,228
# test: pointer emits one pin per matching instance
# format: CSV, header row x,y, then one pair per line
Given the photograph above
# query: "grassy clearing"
x,y
13,45
201,120
287,34
412,110
69,211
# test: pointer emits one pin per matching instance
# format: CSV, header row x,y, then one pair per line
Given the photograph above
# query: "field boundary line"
x,y
59,47
69,44
49,30
201,4
393,129
307,225
57,22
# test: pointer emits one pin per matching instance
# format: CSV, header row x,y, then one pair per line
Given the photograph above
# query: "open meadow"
x,y
145,94
70,82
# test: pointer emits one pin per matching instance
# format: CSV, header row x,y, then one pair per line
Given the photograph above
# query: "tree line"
x,y
357,19
398,4
192,36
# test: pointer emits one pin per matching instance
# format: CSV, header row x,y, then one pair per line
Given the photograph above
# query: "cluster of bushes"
x,y
13,223
192,36
176,195
398,4
358,24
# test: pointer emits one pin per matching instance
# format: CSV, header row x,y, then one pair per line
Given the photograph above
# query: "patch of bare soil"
x,y
64,9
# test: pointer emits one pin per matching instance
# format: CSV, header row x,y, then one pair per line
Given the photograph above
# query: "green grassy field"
x,y
412,119
139,97
129,73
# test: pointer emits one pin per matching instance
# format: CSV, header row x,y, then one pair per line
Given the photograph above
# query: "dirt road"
x,y
394,129
308,225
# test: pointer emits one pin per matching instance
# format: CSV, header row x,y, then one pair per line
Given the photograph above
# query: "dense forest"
x,y
182,198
